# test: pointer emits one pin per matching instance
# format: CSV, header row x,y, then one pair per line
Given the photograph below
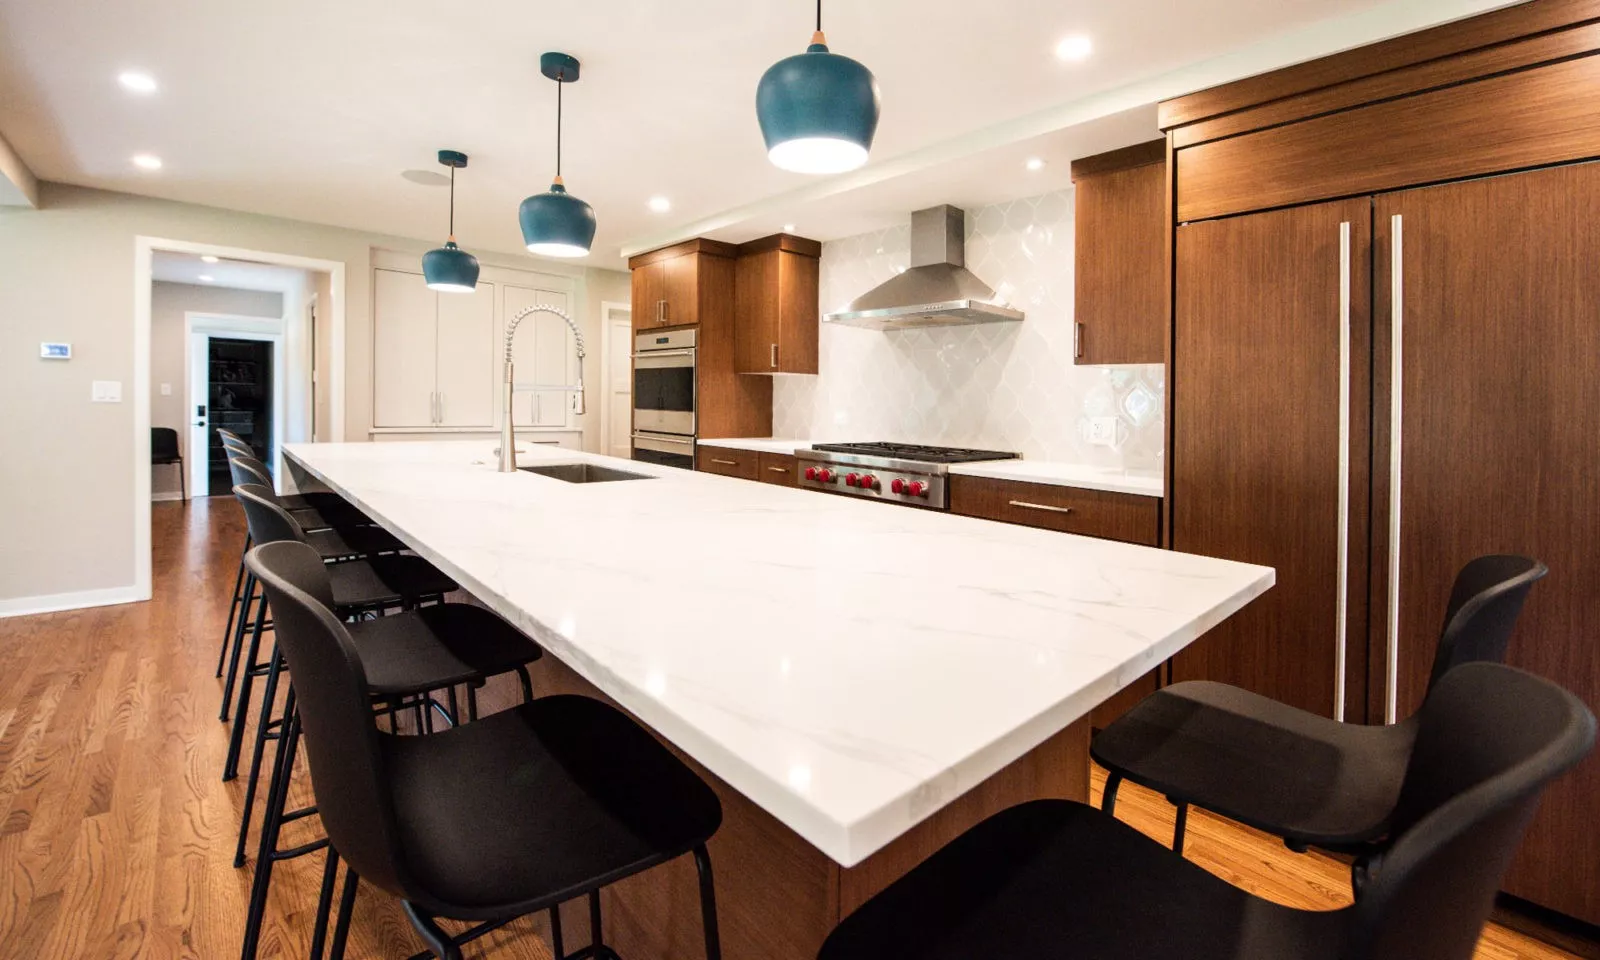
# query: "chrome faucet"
x,y
508,435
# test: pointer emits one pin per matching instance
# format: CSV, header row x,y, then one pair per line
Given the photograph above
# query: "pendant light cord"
x,y
452,201
559,75
819,16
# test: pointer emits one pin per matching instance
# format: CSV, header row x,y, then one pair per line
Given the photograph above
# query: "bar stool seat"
x,y
386,582
439,646
352,542
538,804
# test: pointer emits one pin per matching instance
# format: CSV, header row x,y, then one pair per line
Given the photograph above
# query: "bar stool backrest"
x,y
341,739
1484,605
1489,738
269,523
249,470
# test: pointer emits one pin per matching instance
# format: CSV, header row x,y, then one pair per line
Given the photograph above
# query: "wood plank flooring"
x,y
117,836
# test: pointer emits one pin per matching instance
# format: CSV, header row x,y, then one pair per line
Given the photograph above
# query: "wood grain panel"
x,y
1120,299
778,468
715,248
744,464
649,289
726,404
776,324
1546,115
1092,513
1255,461
1501,416
1450,39
1476,65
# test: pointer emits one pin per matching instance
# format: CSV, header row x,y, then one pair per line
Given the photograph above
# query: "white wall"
x,y
168,304
1006,386
67,273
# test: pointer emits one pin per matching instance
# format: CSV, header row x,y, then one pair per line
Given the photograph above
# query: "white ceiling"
x,y
237,274
311,109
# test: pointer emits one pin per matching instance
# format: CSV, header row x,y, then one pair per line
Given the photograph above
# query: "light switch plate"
x,y
1103,431
166,389
106,391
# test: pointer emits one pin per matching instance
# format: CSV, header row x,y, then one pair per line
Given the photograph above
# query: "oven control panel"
x,y
894,484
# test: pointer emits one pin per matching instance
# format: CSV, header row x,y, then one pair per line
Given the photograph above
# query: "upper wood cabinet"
x,y
775,294
1120,238
671,286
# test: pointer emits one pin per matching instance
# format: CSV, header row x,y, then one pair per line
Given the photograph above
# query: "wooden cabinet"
x,y
1120,251
649,294
778,468
1256,464
776,316
432,353
1092,513
744,464
672,286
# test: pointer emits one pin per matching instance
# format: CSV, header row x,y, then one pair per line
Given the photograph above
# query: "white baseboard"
x,y
50,603
166,495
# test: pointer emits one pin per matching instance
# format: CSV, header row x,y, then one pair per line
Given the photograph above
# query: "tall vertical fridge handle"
x,y
1342,612
1391,679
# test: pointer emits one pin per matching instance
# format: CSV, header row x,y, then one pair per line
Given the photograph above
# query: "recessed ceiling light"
x,y
135,82
208,258
1035,164
206,278
1075,47
660,204
147,161
788,228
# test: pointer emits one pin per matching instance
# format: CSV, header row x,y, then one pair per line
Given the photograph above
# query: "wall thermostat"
x,y
55,351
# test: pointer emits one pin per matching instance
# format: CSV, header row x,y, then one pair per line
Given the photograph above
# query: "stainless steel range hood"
x,y
936,291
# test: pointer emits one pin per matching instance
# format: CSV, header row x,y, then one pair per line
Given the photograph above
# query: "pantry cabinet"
x,y
432,353
776,317
1120,255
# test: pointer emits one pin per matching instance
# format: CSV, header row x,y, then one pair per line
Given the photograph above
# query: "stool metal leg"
x,y
319,930
266,854
233,607
555,932
1180,827
1108,797
708,903
230,766
347,906
264,726
237,645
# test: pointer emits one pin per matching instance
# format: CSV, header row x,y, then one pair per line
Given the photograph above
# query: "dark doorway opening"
x,y
239,397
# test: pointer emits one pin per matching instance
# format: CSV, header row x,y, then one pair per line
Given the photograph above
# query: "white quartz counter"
x,y
849,667
1144,483
757,444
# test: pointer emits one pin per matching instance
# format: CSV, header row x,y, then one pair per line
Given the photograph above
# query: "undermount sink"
x,y
584,473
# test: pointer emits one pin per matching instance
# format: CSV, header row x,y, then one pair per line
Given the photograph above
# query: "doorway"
x,y
234,388
616,403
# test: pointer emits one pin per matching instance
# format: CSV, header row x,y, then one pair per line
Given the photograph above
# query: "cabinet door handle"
x,y
1341,618
726,463
661,311
441,409
1040,506
1397,302
774,356
433,407
779,469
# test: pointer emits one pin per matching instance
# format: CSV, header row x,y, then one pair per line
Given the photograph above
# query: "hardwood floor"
x,y
116,835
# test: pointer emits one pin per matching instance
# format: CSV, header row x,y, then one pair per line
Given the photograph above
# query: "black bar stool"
x,y
406,657
1309,779
1053,879
489,821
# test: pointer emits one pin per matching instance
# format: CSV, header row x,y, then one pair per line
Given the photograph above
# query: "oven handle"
x,y
663,438
647,354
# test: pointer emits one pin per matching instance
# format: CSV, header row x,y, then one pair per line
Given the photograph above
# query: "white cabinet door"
x,y
467,368
544,353
404,321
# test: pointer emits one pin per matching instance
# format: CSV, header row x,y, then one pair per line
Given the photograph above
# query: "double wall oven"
x,y
664,397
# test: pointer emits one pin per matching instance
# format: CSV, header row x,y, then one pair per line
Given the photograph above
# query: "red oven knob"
x,y
898,486
849,479
825,475
811,473
867,482
918,489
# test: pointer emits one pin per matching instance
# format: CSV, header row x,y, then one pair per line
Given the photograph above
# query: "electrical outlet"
x,y
166,389
1103,431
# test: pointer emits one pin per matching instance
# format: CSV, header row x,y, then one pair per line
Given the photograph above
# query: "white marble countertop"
x,y
848,667
758,444
1144,483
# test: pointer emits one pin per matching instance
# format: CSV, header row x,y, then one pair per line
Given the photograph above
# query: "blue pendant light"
x,y
557,224
450,268
818,110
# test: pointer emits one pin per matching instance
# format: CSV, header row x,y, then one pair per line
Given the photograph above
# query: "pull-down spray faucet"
x,y
508,435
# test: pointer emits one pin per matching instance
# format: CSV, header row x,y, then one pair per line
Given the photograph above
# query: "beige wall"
x,y
323,362
168,304
67,273
604,285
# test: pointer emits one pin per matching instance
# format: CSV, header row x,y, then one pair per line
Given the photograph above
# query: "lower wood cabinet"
x,y
744,464
1092,513
778,468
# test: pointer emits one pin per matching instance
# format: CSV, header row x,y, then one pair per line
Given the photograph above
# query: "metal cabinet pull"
x,y
779,469
774,356
662,312
726,463
1077,341
441,408
1040,506
1397,303
1341,621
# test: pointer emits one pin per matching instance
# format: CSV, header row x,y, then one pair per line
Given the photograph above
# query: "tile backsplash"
x,y
1006,386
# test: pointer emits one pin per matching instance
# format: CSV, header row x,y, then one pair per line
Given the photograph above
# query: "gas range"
x,y
893,472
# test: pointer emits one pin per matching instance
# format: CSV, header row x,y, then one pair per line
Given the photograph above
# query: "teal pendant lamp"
x,y
557,224
450,268
818,110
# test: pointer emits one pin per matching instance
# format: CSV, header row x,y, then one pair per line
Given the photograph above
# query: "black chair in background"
x,y
1309,779
489,821
164,451
1055,879
406,657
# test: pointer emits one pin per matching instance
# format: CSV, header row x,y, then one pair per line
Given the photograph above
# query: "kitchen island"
x,y
859,681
